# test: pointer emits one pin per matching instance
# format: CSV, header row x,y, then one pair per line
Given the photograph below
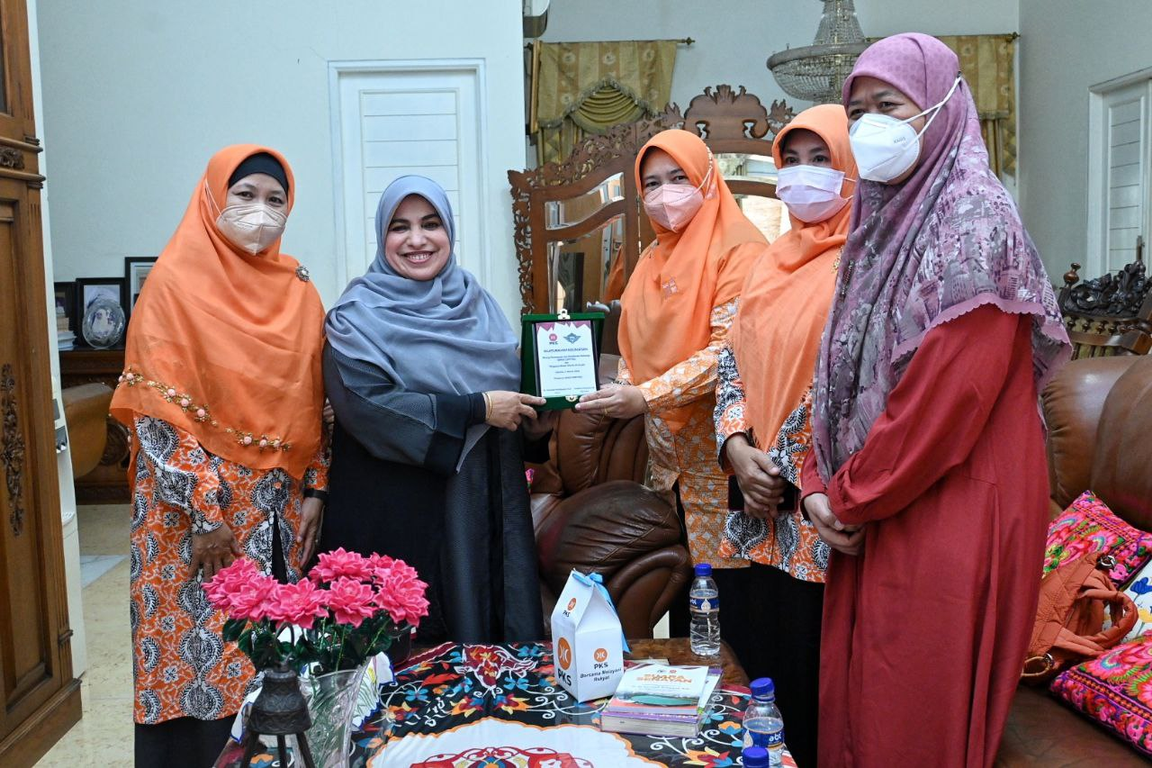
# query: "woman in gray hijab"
x,y
422,371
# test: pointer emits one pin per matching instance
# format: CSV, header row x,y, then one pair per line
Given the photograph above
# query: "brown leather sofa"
x,y
1099,417
591,512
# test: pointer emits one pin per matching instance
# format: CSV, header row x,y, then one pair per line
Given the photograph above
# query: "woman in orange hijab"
x,y
222,390
677,309
763,406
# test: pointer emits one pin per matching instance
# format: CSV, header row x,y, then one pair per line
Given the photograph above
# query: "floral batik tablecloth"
x,y
467,706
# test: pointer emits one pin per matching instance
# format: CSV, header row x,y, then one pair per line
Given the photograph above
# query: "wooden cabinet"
x,y
108,483
39,697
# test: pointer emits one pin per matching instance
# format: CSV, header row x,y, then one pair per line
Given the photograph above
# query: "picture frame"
x,y
88,289
136,269
530,367
65,295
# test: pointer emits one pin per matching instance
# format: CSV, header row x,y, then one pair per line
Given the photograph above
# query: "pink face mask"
x,y
672,206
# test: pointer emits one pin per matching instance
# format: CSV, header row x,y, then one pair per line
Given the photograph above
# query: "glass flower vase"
x,y
331,701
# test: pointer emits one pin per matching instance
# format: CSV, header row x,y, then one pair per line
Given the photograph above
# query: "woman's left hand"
x,y
308,534
620,401
848,539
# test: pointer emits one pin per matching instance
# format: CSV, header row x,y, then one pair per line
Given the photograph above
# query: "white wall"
x,y
139,94
1066,47
735,37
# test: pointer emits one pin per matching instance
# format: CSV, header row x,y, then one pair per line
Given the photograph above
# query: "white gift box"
x,y
587,642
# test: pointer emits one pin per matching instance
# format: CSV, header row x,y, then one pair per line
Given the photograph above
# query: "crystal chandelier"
x,y
817,72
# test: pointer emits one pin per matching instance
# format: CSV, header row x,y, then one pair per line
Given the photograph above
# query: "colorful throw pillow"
x,y
1115,689
1087,527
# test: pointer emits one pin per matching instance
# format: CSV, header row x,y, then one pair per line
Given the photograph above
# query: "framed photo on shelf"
x,y
65,294
89,289
136,269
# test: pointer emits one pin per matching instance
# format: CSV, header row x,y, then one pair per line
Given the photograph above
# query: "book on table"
x,y
661,700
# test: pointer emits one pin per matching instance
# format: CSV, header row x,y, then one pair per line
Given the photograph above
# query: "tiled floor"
x,y
103,737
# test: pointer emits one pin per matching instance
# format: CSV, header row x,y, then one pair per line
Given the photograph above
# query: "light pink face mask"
x,y
673,206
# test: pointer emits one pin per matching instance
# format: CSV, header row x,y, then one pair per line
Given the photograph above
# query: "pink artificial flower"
x,y
300,604
333,565
250,599
379,561
228,581
401,593
351,600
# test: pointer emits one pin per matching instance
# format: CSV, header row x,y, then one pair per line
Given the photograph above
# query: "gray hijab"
x,y
444,335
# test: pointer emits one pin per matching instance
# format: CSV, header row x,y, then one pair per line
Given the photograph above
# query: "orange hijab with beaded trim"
x,y
226,345
786,298
667,305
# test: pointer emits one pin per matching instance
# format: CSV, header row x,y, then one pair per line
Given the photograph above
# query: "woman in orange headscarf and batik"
x,y
222,390
676,312
763,405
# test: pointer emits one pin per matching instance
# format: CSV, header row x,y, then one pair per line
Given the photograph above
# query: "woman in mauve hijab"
x,y
929,478
422,371
223,393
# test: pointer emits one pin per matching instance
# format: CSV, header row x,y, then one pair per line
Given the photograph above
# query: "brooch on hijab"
x,y
302,273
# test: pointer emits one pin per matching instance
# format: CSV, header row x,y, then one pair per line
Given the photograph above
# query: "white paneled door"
x,y
397,118
1120,175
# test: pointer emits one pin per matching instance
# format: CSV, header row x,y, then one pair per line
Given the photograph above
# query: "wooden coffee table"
x,y
678,651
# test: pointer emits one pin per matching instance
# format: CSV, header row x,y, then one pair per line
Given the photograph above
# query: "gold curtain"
x,y
582,88
988,64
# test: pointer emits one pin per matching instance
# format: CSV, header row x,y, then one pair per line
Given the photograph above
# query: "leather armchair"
x,y
1099,417
86,413
591,512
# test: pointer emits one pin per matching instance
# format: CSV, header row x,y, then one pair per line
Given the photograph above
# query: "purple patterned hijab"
x,y
921,253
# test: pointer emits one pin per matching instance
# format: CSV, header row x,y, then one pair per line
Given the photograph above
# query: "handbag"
x,y
1070,617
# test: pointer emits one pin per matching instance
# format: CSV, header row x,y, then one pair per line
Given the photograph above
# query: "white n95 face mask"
x,y
884,147
811,192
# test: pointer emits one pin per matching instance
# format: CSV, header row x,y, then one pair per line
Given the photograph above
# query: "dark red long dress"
x,y
924,632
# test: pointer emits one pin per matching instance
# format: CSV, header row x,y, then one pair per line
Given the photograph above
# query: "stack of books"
x,y
65,338
661,700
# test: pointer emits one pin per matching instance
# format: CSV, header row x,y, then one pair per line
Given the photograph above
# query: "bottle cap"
x,y
703,569
755,757
763,688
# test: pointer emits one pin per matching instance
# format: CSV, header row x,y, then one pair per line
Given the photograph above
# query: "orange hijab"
x,y
667,304
789,289
226,345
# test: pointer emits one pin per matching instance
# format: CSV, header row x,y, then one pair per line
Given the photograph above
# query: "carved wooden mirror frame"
x,y
728,121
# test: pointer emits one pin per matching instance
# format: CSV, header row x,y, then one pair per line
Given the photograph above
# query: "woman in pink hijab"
x,y
930,482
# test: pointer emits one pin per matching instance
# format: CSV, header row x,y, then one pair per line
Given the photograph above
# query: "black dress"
x,y
394,489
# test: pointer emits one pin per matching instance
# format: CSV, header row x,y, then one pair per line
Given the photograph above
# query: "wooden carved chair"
x,y
579,229
1109,315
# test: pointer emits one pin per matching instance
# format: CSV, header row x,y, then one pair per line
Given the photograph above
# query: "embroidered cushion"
x,y
1088,526
1115,689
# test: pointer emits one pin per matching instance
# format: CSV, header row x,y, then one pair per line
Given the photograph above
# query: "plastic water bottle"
x,y
755,757
763,725
704,605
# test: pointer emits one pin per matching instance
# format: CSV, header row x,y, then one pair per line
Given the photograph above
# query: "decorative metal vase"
x,y
280,711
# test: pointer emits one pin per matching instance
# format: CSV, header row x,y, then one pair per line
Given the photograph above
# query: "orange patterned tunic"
x,y
789,543
181,666
688,457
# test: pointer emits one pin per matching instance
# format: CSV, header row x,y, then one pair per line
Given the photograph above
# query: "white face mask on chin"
x,y
811,192
251,227
884,147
